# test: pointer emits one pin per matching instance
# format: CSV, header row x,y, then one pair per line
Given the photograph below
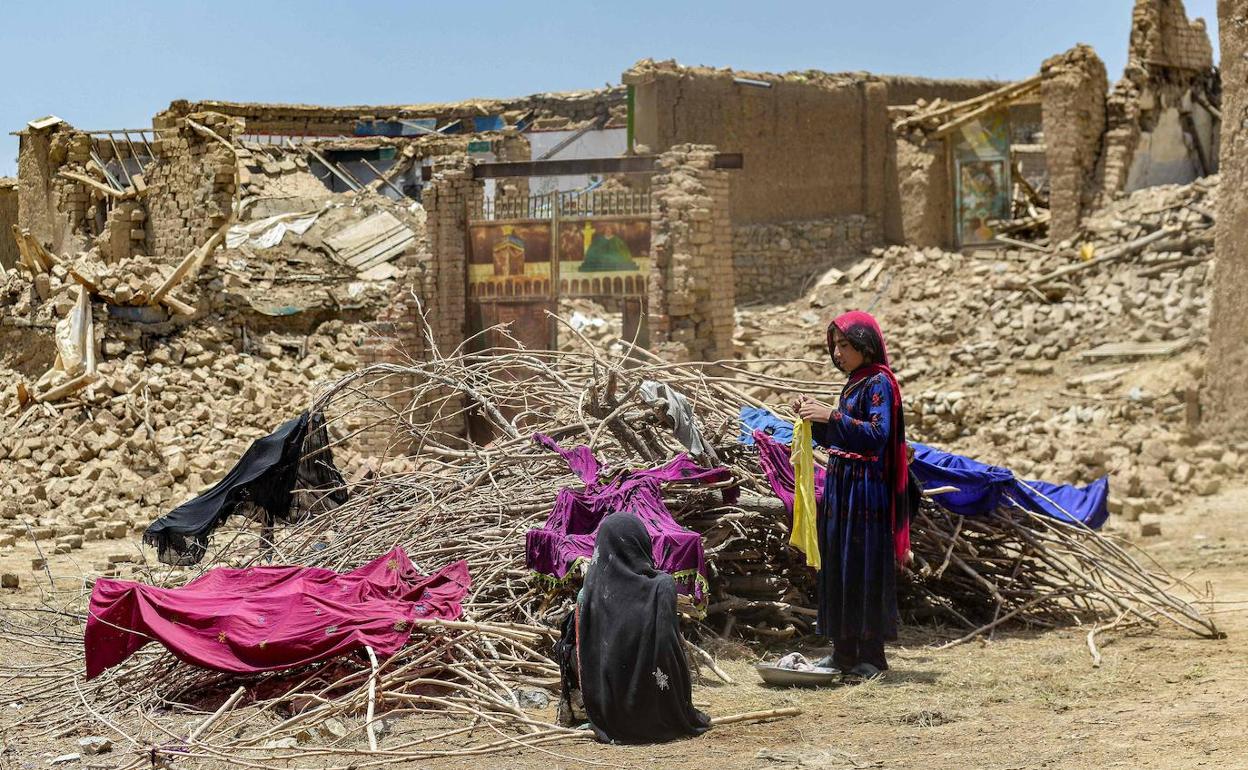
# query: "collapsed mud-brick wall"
x,y
550,110
1072,93
816,150
691,288
1225,398
924,192
908,89
51,207
8,218
193,183
1163,114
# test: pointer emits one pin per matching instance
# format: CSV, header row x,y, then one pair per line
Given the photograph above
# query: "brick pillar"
x,y
691,289
447,199
1073,105
1225,399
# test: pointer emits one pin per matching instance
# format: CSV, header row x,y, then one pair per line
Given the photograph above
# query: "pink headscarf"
x,y
862,328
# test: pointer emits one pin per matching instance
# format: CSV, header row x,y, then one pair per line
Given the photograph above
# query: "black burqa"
x,y
632,669
266,476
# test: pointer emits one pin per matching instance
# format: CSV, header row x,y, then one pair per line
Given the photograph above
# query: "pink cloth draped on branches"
x,y
271,618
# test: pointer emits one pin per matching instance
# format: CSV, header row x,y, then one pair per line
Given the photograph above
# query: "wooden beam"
x,y
962,120
96,185
67,387
189,261
634,164
592,125
1008,90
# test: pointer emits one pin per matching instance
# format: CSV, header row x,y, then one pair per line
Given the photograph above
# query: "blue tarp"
x,y
982,488
757,418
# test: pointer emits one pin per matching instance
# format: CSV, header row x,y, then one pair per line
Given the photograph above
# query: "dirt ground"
x,y
1023,700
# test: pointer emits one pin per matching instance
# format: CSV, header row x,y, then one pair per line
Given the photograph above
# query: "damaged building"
x,y
668,200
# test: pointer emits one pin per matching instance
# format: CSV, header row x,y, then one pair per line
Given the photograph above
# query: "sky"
x,y
114,65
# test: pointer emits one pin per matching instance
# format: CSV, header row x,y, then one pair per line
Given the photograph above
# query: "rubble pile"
x,y
1064,365
97,446
166,418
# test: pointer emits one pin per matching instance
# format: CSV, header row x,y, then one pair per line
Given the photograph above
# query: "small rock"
x,y
9,580
1150,529
64,759
1208,486
534,699
334,727
96,744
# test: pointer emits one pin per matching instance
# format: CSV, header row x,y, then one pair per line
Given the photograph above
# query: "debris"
x,y
1136,349
95,745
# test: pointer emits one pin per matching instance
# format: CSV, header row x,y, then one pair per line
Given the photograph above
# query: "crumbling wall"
x,y
192,184
1163,113
1162,36
1073,106
54,209
924,192
772,261
691,288
1225,400
909,89
547,110
815,145
8,218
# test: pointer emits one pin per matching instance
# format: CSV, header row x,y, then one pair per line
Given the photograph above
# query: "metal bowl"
x,y
787,677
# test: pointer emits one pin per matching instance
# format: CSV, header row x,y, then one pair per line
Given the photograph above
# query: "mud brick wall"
x,y
924,193
1225,400
1073,103
192,185
816,146
691,289
8,218
1162,115
773,261
53,208
908,89
1162,36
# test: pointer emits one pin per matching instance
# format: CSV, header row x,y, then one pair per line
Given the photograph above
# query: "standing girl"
x,y
863,523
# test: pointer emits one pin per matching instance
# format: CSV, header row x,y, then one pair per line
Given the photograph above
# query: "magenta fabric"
x,y
271,618
571,528
778,468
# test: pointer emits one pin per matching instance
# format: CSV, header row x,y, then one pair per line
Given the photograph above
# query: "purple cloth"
x,y
778,468
570,530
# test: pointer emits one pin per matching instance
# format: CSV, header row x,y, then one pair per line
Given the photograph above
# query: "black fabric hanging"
x,y
265,477
632,669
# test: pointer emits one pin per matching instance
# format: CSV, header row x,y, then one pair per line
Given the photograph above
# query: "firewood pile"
x,y
485,683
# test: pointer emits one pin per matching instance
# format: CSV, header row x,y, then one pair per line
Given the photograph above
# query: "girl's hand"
x,y
812,410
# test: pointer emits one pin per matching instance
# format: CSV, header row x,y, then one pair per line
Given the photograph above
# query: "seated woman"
x,y
623,644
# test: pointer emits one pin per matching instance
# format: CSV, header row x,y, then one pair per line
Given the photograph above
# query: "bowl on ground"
x,y
788,677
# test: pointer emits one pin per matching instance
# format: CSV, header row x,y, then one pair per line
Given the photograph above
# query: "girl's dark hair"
x,y
861,338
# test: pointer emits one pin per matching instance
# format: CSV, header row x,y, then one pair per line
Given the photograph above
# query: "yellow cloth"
x,y
804,537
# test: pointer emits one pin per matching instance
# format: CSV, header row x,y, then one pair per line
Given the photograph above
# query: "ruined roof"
x,y
466,107
902,89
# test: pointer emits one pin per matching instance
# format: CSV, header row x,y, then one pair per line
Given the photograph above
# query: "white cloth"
x,y
680,412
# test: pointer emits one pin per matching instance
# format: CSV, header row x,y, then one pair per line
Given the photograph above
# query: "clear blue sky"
x,y
115,64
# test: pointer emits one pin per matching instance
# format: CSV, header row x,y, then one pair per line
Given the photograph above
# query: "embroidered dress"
x,y
857,591
864,527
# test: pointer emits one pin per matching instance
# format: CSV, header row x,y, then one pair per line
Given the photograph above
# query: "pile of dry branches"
x,y
479,681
